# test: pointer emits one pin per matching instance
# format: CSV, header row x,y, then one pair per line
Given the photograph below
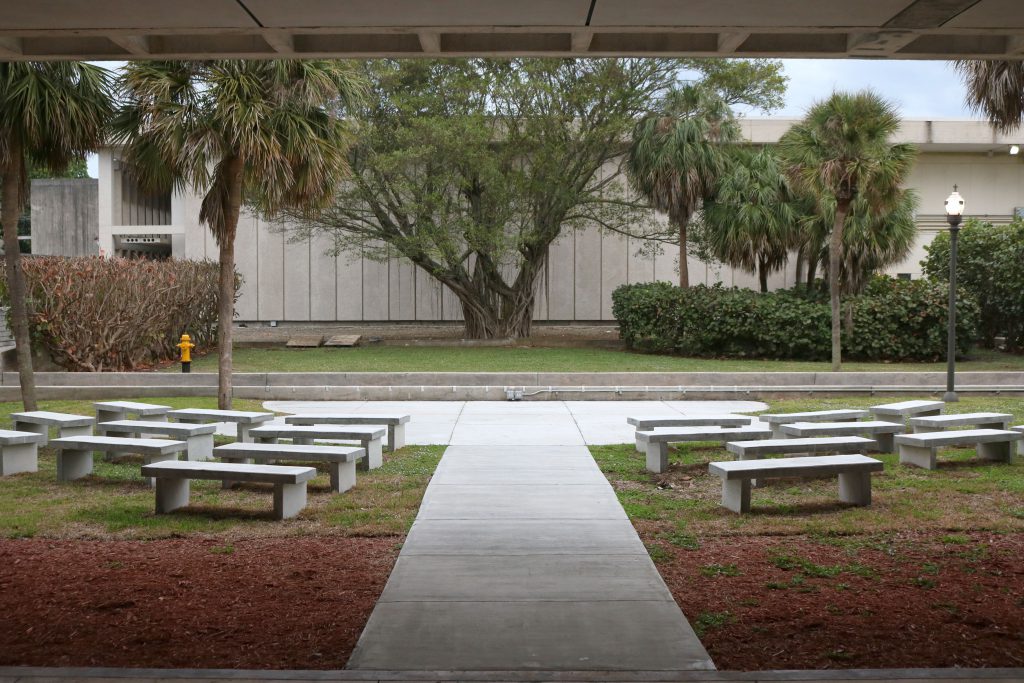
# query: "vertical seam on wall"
x,y
258,252
309,276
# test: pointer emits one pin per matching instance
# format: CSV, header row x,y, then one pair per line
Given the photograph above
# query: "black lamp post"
x,y
954,213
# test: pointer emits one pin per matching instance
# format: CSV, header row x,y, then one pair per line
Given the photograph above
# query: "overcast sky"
x,y
921,90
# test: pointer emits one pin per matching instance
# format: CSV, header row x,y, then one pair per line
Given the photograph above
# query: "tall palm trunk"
x,y
684,269
762,275
835,255
226,294
9,212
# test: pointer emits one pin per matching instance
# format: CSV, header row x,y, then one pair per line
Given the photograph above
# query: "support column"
x,y
374,454
855,488
921,456
996,450
396,436
657,456
343,475
171,494
736,495
200,447
886,442
289,499
73,464
22,457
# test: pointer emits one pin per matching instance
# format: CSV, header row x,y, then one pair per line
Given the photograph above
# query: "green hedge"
x,y
990,268
893,320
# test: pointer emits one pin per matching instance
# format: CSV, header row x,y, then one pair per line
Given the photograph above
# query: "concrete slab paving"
x,y
502,501
489,537
532,635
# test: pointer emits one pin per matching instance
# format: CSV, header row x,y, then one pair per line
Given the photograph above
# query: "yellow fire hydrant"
x,y
186,347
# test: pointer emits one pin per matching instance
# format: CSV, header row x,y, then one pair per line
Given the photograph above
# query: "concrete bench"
x,y
40,421
646,424
907,409
854,472
19,451
394,422
198,437
776,420
74,453
655,442
172,482
990,444
936,423
754,450
880,431
111,411
1020,444
244,420
368,437
341,460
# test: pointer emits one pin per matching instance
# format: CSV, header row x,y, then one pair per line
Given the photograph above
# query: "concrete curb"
x,y
461,386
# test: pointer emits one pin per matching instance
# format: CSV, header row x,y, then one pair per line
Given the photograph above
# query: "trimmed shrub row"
x,y
893,320
94,314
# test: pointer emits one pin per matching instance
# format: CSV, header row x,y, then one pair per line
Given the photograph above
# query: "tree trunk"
x,y
799,276
762,274
483,322
835,254
226,293
684,269
10,210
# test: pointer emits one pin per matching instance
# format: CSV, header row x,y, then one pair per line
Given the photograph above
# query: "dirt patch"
x,y
906,600
295,603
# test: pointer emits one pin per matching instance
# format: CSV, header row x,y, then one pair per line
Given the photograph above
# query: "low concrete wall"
x,y
430,386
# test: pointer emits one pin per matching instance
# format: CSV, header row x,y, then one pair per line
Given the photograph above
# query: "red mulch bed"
x,y
925,603
291,603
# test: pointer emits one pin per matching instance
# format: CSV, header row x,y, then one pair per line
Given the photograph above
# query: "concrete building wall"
x,y
65,216
300,282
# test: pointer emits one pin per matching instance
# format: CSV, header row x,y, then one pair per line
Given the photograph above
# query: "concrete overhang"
x,y
162,29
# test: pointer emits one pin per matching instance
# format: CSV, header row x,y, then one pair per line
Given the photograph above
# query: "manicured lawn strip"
x,y
114,502
539,359
963,494
806,582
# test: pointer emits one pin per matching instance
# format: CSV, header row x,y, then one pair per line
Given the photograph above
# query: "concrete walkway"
x,y
522,558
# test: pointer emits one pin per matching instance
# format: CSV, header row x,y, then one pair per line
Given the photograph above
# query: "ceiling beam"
x,y
430,42
581,41
135,45
281,41
10,47
730,42
883,43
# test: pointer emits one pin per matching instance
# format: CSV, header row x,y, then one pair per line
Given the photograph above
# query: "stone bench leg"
x,y
302,441
777,432
171,494
736,495
886,442
921,456
107,416
242,432
73,464
22,457
200,447
289,499
227,483
640,447
343,475
657,456
999,451
374,455
855,488
396,437
44,430
74,431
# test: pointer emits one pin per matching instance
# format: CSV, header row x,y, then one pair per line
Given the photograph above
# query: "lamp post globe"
x,y
954,214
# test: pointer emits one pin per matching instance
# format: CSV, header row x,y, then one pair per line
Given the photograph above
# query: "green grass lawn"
x,y
114,502
964,494
530,359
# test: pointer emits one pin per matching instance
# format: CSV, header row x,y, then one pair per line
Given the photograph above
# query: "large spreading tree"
x,y
839,154
51,114
264,134
472,168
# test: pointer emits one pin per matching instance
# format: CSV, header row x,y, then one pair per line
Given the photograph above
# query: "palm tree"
x,y
839,153
51,113
677,155
750,222
995,88
264,133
